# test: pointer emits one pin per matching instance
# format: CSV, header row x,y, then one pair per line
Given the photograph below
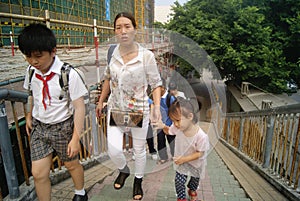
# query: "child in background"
x,y
191,146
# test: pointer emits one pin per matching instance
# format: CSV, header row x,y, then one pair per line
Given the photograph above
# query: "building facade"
x,y
71,20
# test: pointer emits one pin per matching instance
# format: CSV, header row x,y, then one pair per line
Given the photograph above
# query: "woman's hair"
x,y
184,107
36,37
127,15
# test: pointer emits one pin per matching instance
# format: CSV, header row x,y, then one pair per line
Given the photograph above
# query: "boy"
x,y
54,120
166,100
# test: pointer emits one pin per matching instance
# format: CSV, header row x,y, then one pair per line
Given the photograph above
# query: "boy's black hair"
x,y
36,37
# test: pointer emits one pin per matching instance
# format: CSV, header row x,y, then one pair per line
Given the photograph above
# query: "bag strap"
x,y
30,72
110,52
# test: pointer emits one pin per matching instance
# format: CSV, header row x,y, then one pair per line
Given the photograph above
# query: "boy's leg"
x,y
40,172
76,171
150,140
161,146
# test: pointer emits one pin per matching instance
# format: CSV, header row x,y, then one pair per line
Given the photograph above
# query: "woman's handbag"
x,y
126,118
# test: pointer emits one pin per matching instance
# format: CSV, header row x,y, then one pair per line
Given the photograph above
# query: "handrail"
x,y
270,139
93,137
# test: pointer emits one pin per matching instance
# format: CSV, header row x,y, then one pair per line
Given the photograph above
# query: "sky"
x,y
168,2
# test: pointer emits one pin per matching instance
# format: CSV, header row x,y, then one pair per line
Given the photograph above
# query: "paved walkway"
x,y
158,185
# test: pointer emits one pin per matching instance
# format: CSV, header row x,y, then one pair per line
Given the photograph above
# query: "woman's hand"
x,y
158,125
99,109
155,115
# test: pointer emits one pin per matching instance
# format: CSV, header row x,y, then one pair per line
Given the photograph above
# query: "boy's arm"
x,y
79,115
29,115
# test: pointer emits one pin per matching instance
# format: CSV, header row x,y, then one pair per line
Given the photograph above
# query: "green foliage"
x,y
248,40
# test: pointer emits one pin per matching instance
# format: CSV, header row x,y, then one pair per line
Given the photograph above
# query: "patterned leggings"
x,y
180,180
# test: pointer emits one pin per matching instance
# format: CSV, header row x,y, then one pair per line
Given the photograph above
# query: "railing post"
x,y
228,130
268,143
7,155
240,146
95,136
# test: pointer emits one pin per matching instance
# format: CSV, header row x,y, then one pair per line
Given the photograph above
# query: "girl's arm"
x,y
184,159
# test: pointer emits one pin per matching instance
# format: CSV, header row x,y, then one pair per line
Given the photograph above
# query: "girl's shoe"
x,y
193,195
137,189
120,181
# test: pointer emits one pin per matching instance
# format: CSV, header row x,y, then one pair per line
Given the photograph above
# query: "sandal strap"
x,y
121,180
137,188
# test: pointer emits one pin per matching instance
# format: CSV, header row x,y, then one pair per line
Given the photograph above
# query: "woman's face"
x,y
125,30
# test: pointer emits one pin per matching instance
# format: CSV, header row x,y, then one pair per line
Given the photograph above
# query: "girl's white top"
x,y
188,145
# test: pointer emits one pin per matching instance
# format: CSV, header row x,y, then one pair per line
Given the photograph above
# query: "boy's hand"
x,y
28,124
73,148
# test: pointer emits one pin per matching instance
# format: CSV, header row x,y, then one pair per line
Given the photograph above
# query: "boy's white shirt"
x,y
57,111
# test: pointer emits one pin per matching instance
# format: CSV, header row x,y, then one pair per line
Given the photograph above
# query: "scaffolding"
x,y
14,15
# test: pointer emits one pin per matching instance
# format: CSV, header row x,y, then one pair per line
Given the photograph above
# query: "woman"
x,y
131,69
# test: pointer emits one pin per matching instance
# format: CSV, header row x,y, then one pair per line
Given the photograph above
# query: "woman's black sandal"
x,y
137,188
124,173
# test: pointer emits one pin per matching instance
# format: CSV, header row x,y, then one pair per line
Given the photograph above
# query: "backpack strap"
x,y
168,99
110,52
64,80
30,74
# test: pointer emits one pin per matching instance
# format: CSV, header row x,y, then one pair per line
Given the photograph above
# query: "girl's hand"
x,y
178,160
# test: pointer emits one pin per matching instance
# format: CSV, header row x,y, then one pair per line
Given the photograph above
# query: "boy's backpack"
x,y
168,100
63,82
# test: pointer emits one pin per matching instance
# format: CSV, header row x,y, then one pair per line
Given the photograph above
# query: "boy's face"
x,y
41,60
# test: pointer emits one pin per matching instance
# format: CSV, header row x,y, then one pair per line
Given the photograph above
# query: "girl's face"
x,y
125,30
41,60
182,122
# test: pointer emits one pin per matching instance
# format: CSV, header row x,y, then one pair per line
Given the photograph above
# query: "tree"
x,y
243,42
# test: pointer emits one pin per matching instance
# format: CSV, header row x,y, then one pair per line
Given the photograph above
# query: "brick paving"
x,y
219,184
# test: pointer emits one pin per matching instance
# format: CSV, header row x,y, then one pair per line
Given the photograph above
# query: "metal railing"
x,y
270,139
93,139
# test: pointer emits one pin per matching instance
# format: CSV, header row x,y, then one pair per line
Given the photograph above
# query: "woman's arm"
x,y
155,111
103,96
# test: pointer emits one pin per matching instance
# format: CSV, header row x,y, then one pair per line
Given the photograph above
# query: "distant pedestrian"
x,y
191,147
53,121
166,100
173,89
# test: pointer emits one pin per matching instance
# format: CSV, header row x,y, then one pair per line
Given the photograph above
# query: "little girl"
x,y
191,146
